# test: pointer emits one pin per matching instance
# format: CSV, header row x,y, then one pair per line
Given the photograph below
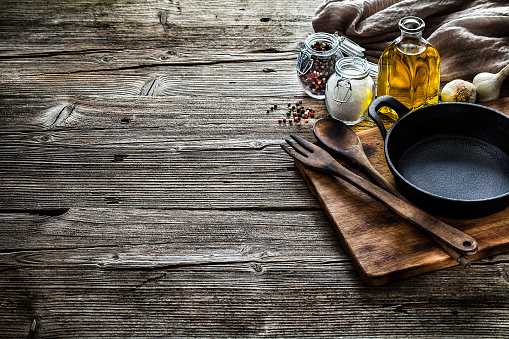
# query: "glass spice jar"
x,y
315,63
350,90
317,60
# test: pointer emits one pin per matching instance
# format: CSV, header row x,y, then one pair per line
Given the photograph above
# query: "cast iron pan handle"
x,y
390,102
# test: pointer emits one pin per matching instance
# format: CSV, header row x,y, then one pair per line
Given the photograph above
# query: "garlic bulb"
x,y
488,84
459,90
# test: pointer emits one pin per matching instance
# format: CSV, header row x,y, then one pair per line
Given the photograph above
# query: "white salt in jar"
x,y
350,90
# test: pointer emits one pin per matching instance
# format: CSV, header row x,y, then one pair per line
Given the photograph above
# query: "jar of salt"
x,y
350,90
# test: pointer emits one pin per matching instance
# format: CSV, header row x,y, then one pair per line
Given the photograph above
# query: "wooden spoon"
x,y
340,140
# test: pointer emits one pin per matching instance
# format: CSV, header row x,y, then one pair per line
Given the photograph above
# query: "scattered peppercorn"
x,y
294,113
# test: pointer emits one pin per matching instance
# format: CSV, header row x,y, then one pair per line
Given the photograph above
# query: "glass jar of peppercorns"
x,y
316,62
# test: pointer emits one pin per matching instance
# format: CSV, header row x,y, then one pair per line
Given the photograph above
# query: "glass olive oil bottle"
x,y
409,69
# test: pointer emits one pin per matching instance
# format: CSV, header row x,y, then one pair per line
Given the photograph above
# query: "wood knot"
x,y
163,18
33,327
45,138
257,268
58,115
107,58
152,87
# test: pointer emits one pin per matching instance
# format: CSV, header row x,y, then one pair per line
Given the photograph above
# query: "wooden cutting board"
x,y
384,247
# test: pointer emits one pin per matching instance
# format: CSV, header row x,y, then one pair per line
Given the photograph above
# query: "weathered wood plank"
x,y
122,237
197,115
88,36
108,61
58,153
159,174
209,81
223,273
192,24
247,300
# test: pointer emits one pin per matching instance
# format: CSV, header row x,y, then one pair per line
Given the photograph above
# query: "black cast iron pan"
x,y
450,158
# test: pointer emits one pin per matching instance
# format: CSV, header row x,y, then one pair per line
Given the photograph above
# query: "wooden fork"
x,y
315,157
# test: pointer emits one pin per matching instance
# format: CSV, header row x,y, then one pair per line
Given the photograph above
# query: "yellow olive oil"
x,y
409,69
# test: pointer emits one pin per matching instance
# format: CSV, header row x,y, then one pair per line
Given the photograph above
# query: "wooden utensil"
x,y
339,139
315,157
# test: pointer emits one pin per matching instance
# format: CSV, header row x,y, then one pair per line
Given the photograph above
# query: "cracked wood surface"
x,y
143,192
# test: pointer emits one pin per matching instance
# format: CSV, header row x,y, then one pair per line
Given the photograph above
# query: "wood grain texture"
x,y
143,192
149,151
141,273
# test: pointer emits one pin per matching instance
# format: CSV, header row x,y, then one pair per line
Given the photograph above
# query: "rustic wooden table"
x,y
144,192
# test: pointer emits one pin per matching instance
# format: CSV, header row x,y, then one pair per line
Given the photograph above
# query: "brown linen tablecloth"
x,y
471,36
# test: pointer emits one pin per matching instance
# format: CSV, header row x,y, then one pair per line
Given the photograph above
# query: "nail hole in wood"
x,y
112,200
119,157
